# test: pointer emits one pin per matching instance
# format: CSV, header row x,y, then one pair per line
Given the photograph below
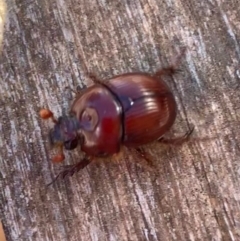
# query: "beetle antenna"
x,y
70,170
59,157
47,114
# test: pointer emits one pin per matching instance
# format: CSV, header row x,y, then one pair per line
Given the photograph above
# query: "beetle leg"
x,y
146,157
70,170
94,78
77,92
173,68
72,90
170,70
178,140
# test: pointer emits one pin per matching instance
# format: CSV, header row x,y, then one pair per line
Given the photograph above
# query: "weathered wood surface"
x,y
50,45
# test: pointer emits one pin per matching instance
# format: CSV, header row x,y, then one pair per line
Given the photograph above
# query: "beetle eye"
x,y
89,119
70,145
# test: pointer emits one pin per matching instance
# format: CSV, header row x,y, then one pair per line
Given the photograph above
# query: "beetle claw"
x,y
178,140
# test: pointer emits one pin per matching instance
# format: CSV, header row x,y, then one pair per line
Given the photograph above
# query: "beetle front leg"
x,y
70,170
178,140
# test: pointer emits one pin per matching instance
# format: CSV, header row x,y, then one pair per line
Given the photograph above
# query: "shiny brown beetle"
x,y
131,109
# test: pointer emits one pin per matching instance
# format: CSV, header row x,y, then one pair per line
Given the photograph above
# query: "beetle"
x,y
130,109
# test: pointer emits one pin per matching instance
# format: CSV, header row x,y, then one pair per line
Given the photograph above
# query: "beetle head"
x,y
64,134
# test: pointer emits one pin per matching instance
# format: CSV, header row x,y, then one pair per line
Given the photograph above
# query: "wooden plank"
x,y
50,45
2,234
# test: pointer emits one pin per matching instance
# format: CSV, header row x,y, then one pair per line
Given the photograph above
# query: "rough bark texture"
x,y
50,45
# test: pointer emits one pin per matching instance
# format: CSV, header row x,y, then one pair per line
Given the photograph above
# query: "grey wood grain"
x,y
51,45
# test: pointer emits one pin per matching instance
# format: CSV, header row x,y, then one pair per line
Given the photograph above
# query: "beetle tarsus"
x,y
178,140
70,170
